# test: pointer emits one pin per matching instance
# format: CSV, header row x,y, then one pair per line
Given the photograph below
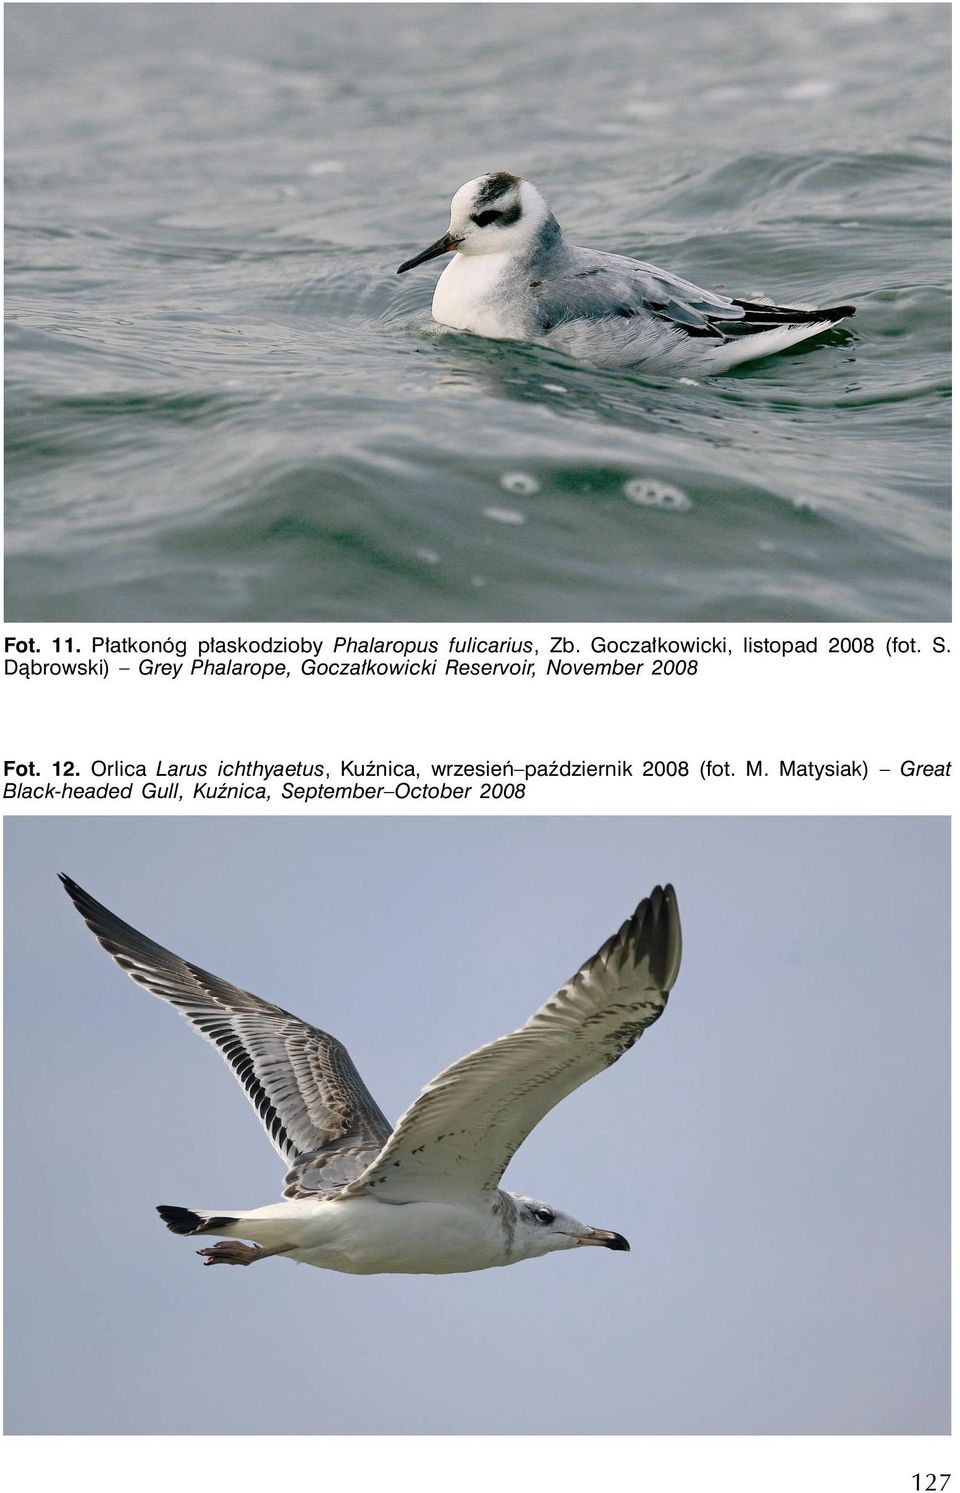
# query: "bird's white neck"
x,y
469,294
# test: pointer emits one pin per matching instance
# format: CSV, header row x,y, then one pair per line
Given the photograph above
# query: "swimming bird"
x,y
514,276
423,1196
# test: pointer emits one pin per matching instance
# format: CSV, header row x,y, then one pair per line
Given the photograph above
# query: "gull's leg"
x,y
232,1252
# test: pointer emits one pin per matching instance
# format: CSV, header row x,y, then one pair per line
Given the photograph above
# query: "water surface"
x,y
224,405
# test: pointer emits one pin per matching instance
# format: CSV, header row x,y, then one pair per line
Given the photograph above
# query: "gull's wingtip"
x,y
78,896
97,917
653,932
670,947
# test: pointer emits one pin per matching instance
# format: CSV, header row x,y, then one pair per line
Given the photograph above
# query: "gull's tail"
x,y
184,1221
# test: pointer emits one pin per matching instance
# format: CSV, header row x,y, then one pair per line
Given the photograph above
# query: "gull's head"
x,y
541,1228
493,214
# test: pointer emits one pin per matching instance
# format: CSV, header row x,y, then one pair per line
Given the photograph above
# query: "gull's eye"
x,y
490,216
543,1215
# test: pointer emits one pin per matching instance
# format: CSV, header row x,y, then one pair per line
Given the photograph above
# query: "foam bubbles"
x,y
650,493
519,483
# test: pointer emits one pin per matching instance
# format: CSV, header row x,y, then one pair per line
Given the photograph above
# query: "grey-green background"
x,y
224,405
776,1149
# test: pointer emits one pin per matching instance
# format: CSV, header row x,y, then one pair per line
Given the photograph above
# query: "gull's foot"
x,y
230,1252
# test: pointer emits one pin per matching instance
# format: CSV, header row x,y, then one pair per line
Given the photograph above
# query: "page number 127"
x,y
930,1482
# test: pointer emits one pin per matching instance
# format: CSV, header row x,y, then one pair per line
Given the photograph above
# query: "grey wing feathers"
x,y
609,285
310,1098
601,285
461,1132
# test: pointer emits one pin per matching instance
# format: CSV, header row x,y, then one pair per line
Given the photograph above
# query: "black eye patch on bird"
x,y
543,1215
503,217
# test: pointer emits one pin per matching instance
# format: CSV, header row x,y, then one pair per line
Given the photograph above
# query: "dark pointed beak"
x,y
445,245
606,1237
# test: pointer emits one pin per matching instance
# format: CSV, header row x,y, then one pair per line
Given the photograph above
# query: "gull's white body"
x,y
517,278
421,1197
360,1236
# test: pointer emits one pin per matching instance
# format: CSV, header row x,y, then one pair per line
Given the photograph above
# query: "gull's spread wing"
x,y
311,1100
459,1135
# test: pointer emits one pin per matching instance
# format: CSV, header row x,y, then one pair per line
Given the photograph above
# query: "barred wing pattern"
x,y
311,1100
461,1132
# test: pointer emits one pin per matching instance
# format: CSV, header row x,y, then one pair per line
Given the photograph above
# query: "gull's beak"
x,y
606,1237
445,245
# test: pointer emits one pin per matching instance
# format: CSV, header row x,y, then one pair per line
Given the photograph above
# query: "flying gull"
x,y
514,276
422,1197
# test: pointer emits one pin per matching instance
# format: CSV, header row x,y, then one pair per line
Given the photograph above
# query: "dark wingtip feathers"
x,y
82,901
111,932
653,933
655,930
769,316
671,940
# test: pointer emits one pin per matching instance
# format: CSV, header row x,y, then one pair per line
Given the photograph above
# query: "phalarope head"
x,y
493,214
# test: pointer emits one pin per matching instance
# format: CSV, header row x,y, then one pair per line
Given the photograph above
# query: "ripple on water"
x,y
224,405
504,515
